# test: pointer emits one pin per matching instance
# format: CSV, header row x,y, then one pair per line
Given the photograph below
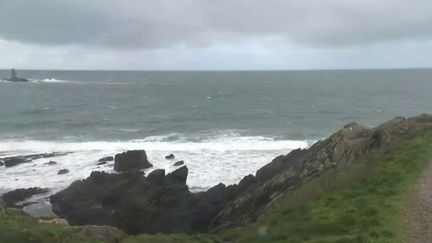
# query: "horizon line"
x,y
220,70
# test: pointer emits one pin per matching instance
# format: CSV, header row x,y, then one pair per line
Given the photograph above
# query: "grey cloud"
x,y
152,24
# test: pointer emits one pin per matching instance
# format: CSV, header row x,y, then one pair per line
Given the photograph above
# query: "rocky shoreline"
x,y
162,203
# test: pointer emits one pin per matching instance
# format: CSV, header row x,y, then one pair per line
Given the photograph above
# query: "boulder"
x,y
170,156
51,163
62,172
131,160
178,163
13,197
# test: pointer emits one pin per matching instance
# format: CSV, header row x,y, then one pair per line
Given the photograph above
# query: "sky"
x,y
215,34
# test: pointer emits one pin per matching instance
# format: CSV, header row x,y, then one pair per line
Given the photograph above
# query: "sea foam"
x,y
225,158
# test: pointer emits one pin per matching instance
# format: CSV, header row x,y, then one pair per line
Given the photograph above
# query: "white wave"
x,y
224,158
157,143
49,80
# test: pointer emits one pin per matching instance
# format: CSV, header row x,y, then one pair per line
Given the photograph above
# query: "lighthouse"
x,y
13,75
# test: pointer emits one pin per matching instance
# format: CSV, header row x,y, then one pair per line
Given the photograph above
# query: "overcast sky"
x,y
215,34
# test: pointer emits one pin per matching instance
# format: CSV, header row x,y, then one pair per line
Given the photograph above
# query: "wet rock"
x,y
131,160
106,159
170,156
1,163
178,163
13,197
16,160
51,163
62,172
9,162
102,163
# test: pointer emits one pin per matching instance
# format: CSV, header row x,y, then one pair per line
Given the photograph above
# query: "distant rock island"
x,y
15,78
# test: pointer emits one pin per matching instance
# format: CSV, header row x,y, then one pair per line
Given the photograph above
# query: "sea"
x,y
223,124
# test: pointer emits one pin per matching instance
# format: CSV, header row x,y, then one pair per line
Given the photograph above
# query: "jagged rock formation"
x,y
163,203
136,204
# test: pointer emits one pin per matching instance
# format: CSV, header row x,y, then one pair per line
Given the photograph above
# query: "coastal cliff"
x,y
349,186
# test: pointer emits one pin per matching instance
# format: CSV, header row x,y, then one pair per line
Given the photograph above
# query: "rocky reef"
x,y
163,203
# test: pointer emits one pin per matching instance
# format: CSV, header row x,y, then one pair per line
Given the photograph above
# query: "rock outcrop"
x,y
131,161
11,198
136,204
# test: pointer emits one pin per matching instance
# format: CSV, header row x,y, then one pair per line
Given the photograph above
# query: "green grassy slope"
x,y
19,227
363,203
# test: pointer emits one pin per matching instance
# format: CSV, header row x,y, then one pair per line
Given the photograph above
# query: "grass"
x,y
18,227
360,204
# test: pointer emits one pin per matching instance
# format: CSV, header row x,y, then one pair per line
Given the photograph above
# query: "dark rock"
x,y
9,162
178,163
170,156
246,183
138,204
101,163
13,197
106,159
131,160
156,176
16,160
63,171
178,176
51,163
1,163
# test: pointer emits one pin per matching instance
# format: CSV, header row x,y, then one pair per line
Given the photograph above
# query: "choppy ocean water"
x,y
224,125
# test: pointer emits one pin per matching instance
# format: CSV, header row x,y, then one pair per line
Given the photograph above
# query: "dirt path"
x,y
421,210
